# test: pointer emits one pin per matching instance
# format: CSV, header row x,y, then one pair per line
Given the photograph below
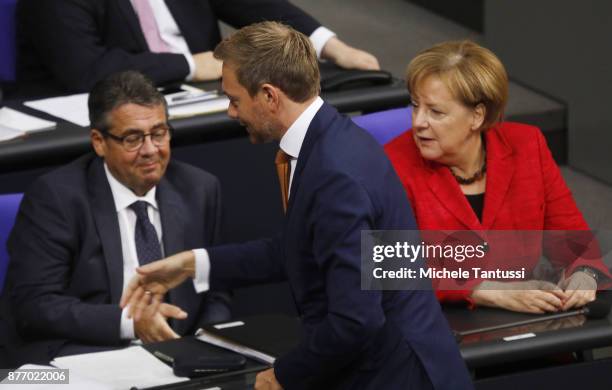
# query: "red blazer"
x,y
524,191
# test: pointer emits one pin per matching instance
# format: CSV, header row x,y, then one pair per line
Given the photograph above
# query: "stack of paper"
x,y
225,343
120,369
14,124
207,106
8,133
72,108
75,383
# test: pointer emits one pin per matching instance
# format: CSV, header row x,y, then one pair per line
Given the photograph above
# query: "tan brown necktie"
x,y
283,169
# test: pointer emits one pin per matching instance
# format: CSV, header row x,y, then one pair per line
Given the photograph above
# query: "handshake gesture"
x,y
144,299
144,294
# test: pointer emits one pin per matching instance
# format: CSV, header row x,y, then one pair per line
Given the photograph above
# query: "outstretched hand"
x,y
154,280
153,326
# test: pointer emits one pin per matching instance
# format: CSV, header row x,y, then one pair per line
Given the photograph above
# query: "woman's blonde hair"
x,y
472,73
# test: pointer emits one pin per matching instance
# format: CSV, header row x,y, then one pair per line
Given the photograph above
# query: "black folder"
x,y
273,335
334,78
270,334
189,346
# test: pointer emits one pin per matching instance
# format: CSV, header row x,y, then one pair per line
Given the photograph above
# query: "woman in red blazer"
x,y
464,169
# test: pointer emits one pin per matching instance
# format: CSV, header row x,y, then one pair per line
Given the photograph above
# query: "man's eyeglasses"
x,y
134,141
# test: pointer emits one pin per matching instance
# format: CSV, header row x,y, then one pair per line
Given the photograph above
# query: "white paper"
x,y
189,96
19,121
519,337
229,325
75,382
224,343
120,369
206,107
8,133
72,108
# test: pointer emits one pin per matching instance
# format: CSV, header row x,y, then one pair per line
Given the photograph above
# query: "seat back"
x,y
8,58
7,40
386,125
9,204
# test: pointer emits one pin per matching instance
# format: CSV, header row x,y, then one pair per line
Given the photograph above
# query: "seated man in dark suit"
x,y
83,229
78,42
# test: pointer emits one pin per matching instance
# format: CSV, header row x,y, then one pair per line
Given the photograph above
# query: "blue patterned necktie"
x,y
147,244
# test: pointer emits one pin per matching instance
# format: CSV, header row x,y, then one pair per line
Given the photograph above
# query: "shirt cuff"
x,y
319,38
191,64
126,330
202,270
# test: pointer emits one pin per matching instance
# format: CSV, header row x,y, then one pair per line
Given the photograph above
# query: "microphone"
x,y
599,308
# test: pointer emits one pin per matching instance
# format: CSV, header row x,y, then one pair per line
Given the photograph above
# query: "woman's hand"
x,y
580,289
534,296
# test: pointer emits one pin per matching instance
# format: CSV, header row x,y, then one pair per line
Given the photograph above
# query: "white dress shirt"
x,y
290,143
126,217
171,35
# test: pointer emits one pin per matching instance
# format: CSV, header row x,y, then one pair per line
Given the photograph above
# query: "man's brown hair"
x,y
271,52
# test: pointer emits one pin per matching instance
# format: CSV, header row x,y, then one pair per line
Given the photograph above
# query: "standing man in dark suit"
x,y
78,42
83,229
336,182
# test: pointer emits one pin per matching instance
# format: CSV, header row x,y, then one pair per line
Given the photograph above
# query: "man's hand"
x,y
207,67
266,380
533,296
154,280
348,57
580,288
153,327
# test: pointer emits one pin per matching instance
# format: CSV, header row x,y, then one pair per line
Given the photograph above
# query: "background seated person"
x,y
464,169
78,42
82,230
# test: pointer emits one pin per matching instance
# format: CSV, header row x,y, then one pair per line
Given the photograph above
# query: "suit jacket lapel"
x,y
187,20
500,171
445,188
318,125
105,217
173,217
131,19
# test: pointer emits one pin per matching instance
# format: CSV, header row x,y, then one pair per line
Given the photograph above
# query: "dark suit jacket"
x,y
65,275
78,42
353,339
524,191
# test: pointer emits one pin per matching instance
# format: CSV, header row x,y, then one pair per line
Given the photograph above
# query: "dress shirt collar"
x,y
291,143
123,196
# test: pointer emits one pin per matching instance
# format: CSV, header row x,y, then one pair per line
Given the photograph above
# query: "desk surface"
x,y
69,141
480,350
568,334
